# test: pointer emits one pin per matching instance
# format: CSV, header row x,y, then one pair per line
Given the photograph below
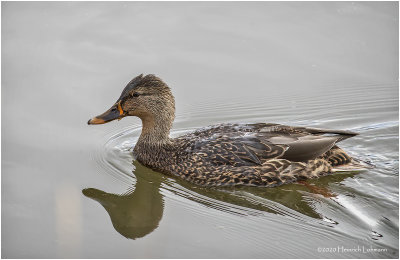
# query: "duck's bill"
x,y
115,112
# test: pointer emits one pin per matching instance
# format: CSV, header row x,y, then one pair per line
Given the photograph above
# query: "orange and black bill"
x,y
115,112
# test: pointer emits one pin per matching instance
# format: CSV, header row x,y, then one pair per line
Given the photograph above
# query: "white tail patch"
x,y
353,166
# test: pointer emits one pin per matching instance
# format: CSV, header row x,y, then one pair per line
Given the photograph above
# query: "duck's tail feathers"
x,y
354,165
342,134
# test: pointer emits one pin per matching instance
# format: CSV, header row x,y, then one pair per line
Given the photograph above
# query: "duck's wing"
x,y
237,150
254,144
303,143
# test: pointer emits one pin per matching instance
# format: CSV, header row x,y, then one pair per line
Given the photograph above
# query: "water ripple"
x,y
360,209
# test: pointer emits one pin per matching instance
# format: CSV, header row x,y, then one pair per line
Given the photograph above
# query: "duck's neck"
x,y
155,134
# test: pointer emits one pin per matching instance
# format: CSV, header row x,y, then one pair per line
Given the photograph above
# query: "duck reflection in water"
x,y
138,213
133,214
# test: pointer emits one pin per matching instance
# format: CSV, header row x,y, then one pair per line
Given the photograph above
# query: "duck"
x,y
227,154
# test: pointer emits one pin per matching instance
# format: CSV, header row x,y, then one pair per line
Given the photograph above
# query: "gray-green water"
x,y
328,65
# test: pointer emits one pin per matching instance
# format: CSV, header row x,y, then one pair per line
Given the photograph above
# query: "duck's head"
x,y
146,97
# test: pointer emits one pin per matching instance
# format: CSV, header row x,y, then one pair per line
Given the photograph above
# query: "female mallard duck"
x,y
261,154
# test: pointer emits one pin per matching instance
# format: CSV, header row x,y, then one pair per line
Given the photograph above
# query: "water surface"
x,y
72,190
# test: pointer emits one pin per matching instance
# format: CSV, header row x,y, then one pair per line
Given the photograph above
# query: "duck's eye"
x,y
135,94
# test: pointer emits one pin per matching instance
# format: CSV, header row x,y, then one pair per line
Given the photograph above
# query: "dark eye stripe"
x,y
136,94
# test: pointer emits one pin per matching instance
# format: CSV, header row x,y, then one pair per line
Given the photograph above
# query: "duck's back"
x,y
256,154
254,144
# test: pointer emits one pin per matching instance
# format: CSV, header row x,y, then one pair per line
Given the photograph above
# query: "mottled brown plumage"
x,y
261,154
